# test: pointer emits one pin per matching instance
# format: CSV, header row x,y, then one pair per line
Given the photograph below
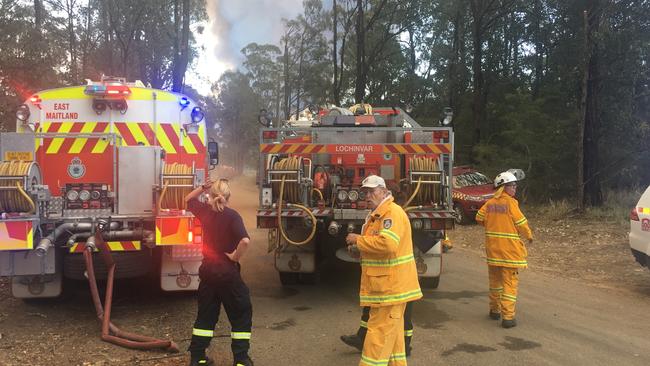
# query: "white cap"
x,y
373,181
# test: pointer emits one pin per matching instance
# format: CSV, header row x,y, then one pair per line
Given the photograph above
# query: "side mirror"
x,y
213,153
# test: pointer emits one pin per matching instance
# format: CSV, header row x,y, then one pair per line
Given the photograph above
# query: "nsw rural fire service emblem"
x,y
76,169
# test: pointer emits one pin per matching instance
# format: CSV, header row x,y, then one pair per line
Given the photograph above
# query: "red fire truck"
x,y
108,155
310,175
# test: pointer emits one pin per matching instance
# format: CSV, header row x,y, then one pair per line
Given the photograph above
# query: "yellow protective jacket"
x,y
504,226
388,272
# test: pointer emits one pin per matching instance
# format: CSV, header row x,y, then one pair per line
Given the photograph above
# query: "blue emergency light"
x,y
184,102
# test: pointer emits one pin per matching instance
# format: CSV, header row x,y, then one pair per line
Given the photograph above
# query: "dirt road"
x,y
563,321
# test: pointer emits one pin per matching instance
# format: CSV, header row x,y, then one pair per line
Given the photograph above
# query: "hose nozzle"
x,y
42,247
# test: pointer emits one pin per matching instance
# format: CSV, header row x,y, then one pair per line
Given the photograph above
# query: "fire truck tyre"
x,y
461,217
127,265
429,282
288,278
309,278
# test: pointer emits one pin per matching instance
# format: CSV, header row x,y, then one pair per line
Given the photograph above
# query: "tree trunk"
x,y
589,190
335,93
287,82
72,42
360,85
478,105
539,48
181,62
38,15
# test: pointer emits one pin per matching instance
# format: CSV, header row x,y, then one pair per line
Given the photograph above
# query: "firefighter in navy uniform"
x,y
225,241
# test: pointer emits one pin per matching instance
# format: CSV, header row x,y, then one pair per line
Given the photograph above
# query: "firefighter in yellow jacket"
x,y
388,274
505,226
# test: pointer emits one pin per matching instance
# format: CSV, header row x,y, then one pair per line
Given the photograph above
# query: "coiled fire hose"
x,y
110,332
15,199
428,193
293,193
174,197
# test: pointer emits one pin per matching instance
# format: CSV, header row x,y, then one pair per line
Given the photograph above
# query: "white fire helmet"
x,y
504,178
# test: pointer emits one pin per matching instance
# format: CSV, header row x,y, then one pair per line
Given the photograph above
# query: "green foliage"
x,y
75,40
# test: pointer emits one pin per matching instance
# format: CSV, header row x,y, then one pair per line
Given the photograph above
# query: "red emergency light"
x,y
270,134
108,91
118,90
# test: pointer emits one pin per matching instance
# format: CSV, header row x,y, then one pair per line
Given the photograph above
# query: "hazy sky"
x,y
234,24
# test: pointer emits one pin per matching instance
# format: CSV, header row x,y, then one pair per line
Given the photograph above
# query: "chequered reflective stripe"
x,y
496,234
292,148
408,333
405,296
390,234
497,261
643,210
521,222
202,332
496,289
363,324
388,262
131,133
373,362
398,357
240,335
509,297
417,148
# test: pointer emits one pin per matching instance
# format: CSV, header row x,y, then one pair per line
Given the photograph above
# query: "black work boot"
x,y
408,351
353,341
201,361
508,323
495,315
243,362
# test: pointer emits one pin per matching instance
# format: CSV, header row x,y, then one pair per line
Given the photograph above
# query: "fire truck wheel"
x,y
309,278
127,265
288,278
429,282
461,217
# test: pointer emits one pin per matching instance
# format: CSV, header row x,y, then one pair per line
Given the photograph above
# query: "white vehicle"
x,y
640,229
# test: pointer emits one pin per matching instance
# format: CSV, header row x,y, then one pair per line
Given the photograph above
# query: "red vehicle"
x,y
471,189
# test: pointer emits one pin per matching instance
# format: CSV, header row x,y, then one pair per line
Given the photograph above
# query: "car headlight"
x,y
353,196
72,195
84,195
341,196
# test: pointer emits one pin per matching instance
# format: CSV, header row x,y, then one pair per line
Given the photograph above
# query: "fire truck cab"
x,y
310,176
111,156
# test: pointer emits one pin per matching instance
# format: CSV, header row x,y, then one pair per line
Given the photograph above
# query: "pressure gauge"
x,y
342,196
353,196
72,195
95,195
84,195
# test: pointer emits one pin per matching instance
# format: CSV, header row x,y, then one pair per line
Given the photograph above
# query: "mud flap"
x,y
178,272
37,286
429,264
296,259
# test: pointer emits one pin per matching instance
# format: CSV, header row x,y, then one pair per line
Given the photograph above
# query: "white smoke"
x,y
236,23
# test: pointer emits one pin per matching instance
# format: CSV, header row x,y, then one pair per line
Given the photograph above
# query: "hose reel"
x,y
16,178
177,181
425,182
292,184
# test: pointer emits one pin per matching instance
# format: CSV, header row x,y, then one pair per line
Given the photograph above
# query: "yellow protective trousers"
x,y
384,343
503,290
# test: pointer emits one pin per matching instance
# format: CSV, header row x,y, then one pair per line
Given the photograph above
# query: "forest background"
x,y
558,88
